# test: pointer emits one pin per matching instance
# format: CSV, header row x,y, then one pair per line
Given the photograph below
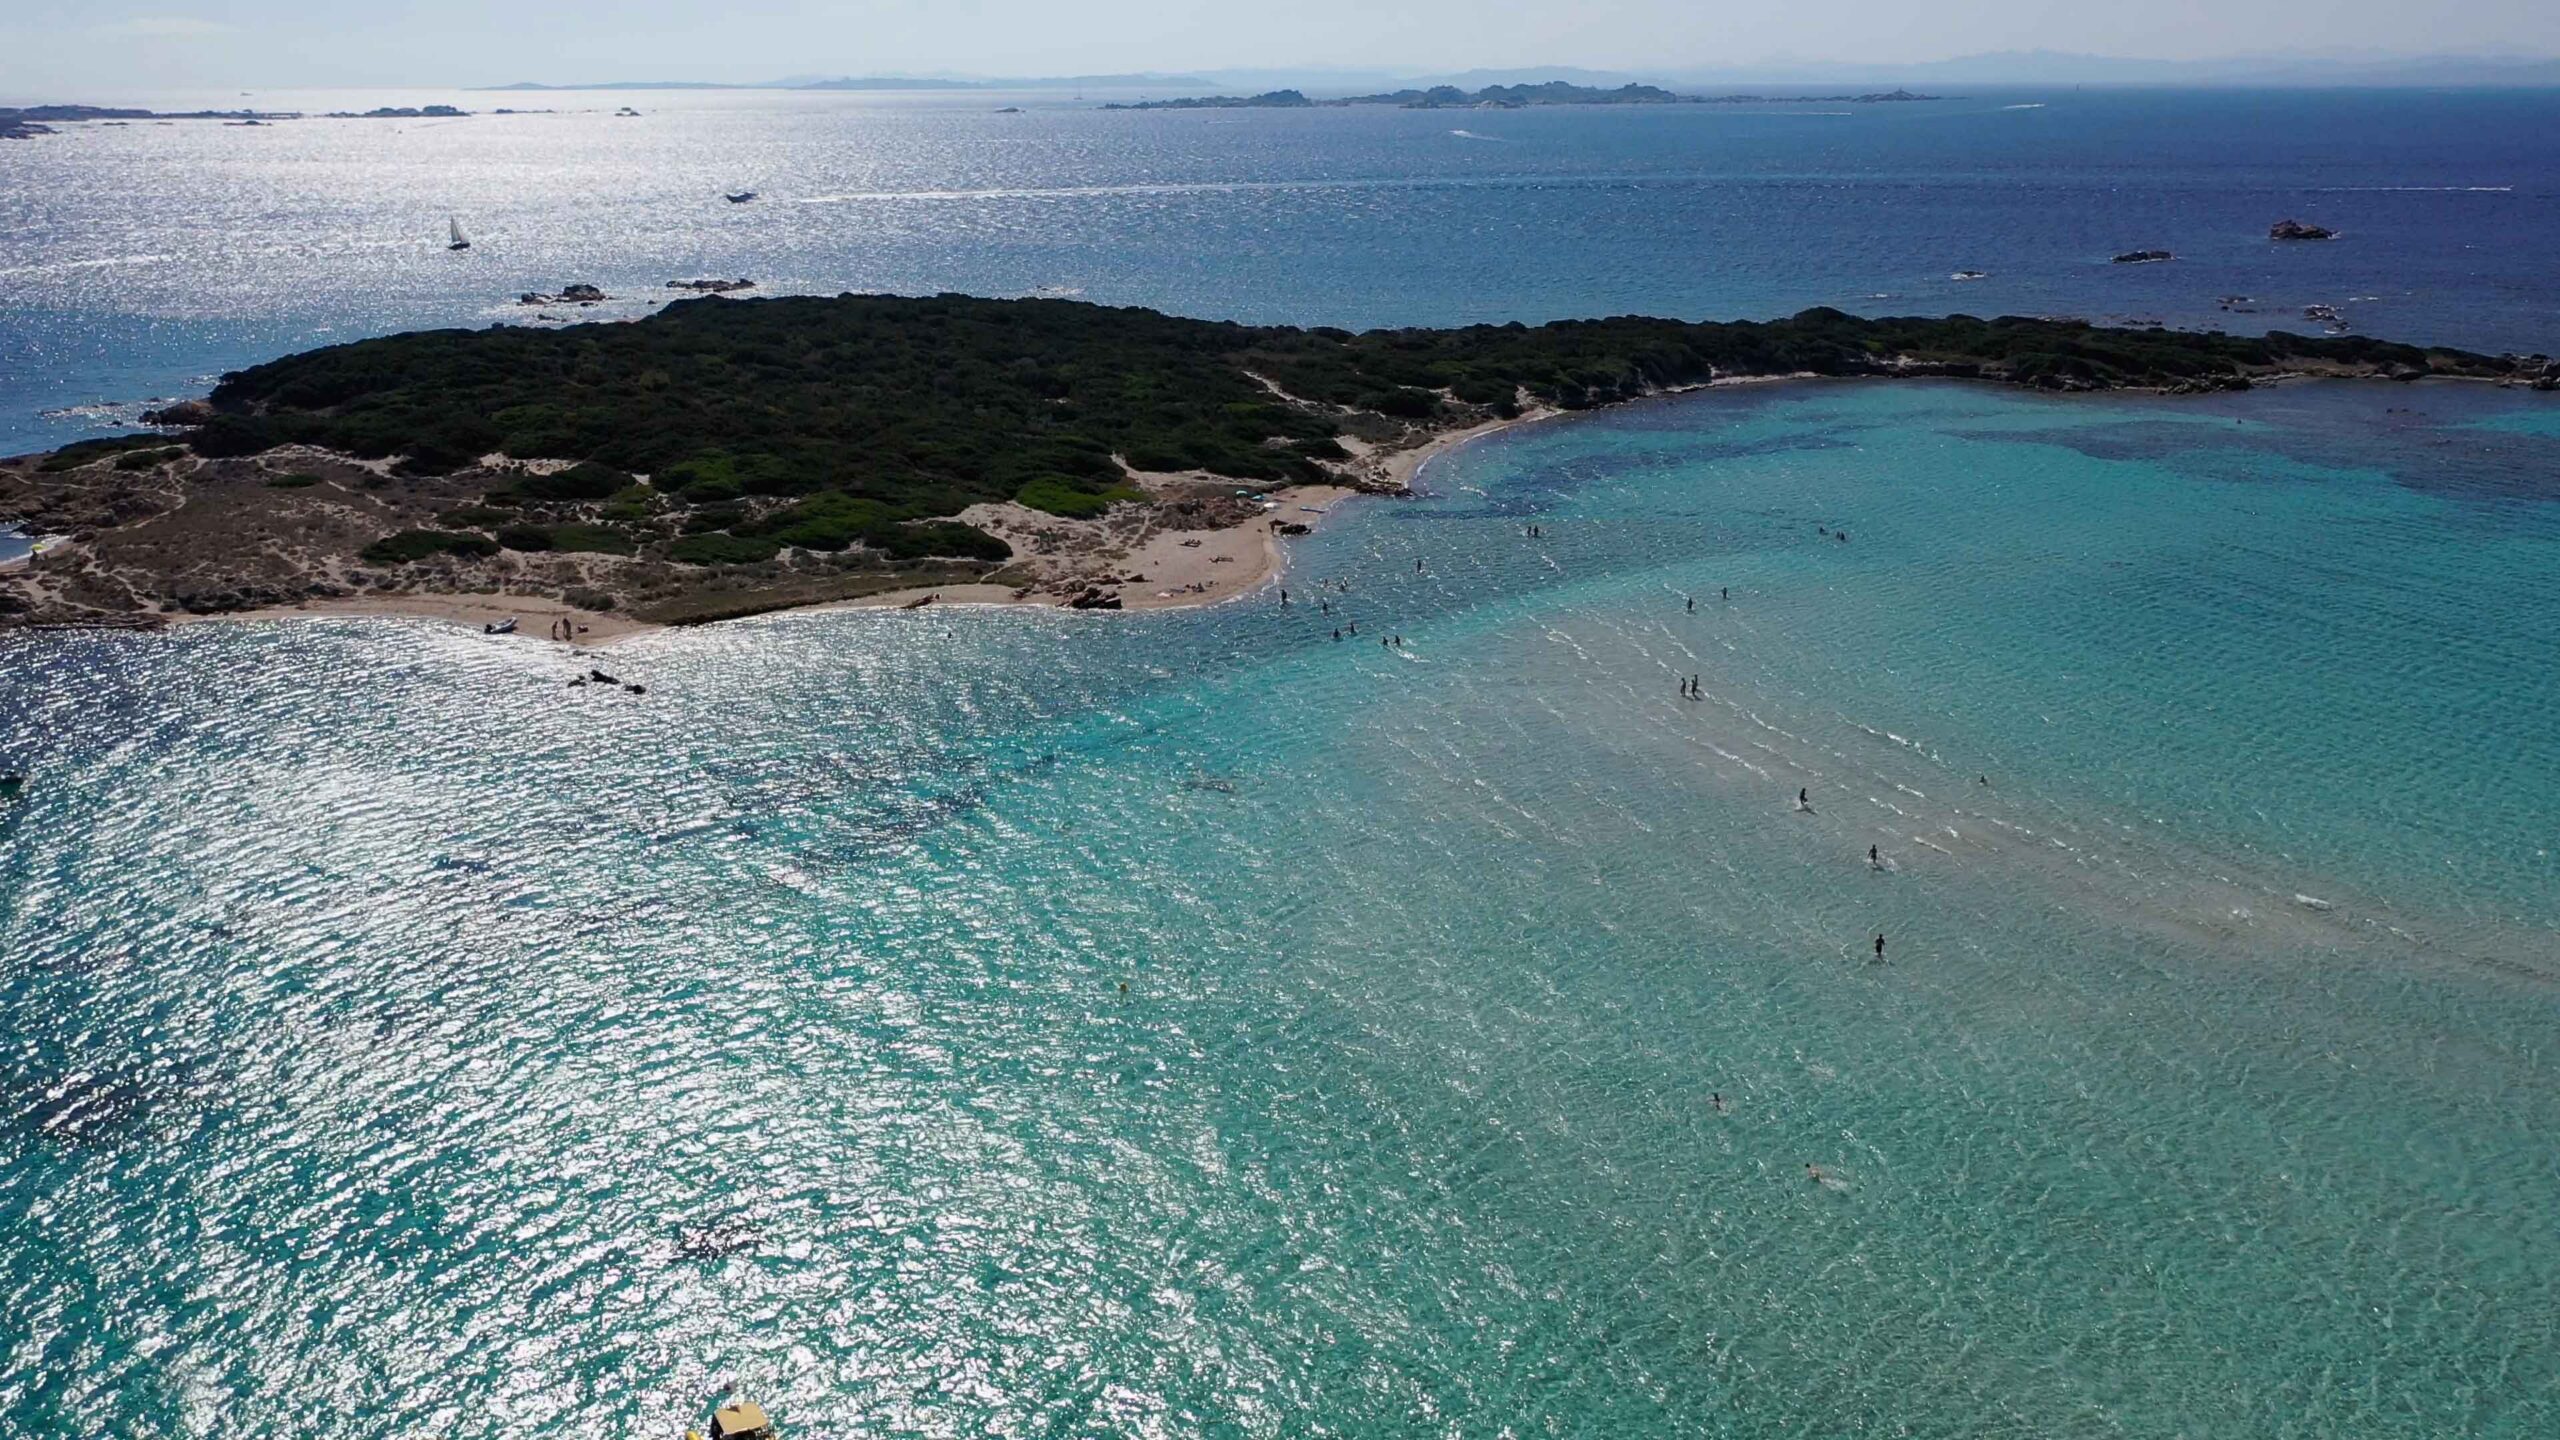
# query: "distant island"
x,y
1508,97
28,121
724,457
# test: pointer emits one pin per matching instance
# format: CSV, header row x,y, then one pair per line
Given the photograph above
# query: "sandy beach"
x,y
533,614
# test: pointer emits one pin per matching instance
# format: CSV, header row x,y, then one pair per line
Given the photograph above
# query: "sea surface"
x,y
963,1023
397,1036
141,262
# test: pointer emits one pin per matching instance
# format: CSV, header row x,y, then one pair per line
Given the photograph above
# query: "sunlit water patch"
x,y
399,1036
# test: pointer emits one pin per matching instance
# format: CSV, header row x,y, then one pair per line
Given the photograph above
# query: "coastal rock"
x,y
1094,598
569,295
184,412
711,287
2143,257
2297,230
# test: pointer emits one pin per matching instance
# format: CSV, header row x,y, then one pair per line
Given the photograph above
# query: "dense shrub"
x,y
230,436
408,545
297,480
584,481
892,410
594,539
1060,496
86,452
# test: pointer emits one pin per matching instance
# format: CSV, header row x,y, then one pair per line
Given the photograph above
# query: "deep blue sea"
x,y
141,262
397,1043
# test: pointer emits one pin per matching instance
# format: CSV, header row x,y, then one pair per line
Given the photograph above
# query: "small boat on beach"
x,y
453,228
503,627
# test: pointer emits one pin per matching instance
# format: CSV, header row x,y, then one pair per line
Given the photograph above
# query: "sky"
x,y
68,50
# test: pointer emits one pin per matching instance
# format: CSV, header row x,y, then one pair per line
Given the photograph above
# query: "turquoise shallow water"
x,y
395,1034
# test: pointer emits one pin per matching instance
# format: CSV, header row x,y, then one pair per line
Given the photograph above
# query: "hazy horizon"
x,y
63,49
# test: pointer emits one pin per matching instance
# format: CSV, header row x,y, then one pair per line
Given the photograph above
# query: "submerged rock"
x,y
2297,230
2143,257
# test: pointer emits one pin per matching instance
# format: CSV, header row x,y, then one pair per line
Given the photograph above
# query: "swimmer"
x,y
1717,1100
1813,1172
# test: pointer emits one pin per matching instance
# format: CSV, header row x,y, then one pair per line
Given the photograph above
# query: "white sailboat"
x,y
453,226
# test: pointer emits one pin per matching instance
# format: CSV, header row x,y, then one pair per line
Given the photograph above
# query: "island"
x,y
725,457
22,122
1507,97
402,112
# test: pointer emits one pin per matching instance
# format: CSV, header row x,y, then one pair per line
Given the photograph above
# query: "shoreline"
x,y
1254,545
1159,573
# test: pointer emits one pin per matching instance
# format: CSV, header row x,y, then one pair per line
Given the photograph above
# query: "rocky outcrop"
x,y
1094,597
183,413
711,287
2143,257
2297,230
569,295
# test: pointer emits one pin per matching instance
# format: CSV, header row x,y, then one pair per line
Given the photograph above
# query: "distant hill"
x,y
2051,67
891,82
1507,97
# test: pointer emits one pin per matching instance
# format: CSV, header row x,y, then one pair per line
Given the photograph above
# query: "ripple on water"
x,y
394,1035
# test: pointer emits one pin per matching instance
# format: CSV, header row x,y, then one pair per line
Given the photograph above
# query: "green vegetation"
x,y
147,459
89,452
1073,498
410,545
822,424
